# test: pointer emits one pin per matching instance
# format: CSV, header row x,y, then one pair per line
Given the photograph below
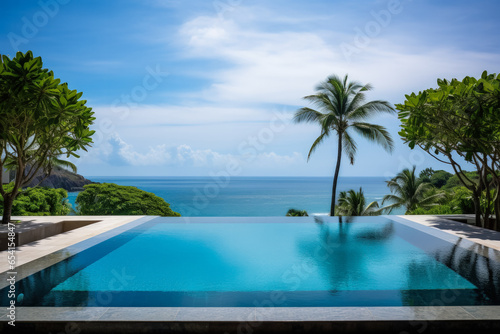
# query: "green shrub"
x,y
437,210
457,201
462,200
40,202
113,199
296,213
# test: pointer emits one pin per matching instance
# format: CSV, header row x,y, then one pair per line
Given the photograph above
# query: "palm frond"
x,y
356,102
352,203
349,146
394,186
369,109
410,191
432,199
318,141
392,198
325,102
388,208
422,188
376,133
307,115
64,164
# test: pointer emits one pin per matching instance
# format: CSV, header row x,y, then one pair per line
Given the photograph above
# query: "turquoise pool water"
x,y
265,257
240,262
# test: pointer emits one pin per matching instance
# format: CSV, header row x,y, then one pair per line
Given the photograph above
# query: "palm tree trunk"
x,y
336,176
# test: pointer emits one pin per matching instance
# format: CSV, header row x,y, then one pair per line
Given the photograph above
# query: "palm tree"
x,y
353,203
341,105
410,192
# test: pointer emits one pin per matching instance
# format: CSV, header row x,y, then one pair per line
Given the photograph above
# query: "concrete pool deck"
x,y
473,233
45,246
420,319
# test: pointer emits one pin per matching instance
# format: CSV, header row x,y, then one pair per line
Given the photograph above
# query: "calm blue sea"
x,y
248,196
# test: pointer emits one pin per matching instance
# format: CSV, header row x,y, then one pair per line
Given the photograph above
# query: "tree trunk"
x,y
336,176
496,227
7,209
487,211
477,208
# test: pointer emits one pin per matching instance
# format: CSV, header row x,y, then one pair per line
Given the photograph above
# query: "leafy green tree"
x,y
425,175
40,201
113,199
460,119
439,178
410,192
352,203
454,180
296,213
340,107
41,119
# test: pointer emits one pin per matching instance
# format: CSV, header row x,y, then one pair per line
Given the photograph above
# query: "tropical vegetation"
x,y
456,199
296,213
410,192
341,107
461,119
352,203
41,119
113,199
39,201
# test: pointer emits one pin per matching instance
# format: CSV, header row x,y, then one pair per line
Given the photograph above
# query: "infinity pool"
x,y
233,262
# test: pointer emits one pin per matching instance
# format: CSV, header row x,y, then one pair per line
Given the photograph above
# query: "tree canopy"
x,y
113,199
460,118
440,178
41,119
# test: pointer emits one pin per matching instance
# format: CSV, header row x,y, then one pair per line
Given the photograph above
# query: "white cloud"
x,y
263,59
116,152
121,152
282,66
263,66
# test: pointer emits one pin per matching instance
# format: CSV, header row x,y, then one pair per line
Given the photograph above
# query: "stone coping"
x,y
249,314
428,319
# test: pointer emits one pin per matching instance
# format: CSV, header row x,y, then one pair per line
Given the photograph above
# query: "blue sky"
x,y
207,87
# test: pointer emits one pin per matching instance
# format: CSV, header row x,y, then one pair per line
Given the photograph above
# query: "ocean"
x,y
248,196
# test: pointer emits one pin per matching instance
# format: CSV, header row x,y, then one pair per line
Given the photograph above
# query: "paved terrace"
x,y
476,234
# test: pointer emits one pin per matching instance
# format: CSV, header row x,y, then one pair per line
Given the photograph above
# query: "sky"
x,y
206,88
